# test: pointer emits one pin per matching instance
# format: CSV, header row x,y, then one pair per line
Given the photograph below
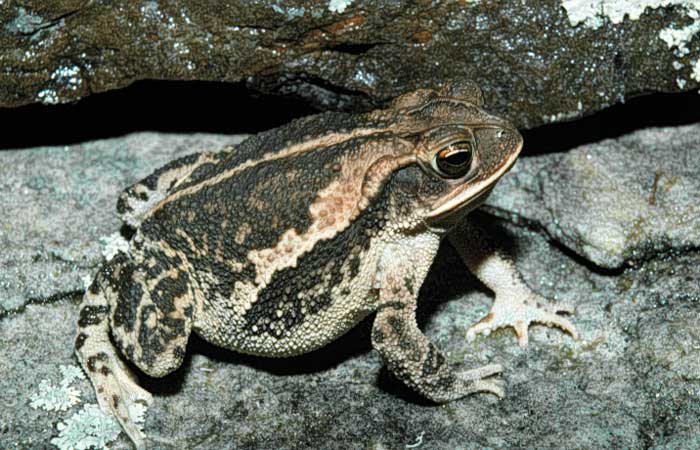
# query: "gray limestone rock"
x,y
615,201
632,380
538,61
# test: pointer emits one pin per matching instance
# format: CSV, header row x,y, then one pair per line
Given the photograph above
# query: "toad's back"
x,y
278,250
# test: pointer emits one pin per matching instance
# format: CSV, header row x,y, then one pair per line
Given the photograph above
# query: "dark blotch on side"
x,y
94,288
93,360
168,290
446,381
92,315
396,306
149,339
396,325
80,340
123,205
313,277
377,336
119,273
179,352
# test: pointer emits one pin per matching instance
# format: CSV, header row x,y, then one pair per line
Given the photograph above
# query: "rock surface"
x,y
615,201
538,61
631,381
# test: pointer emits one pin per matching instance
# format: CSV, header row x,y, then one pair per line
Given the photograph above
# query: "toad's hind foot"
x,y
120,396
519,310
117,392
115,386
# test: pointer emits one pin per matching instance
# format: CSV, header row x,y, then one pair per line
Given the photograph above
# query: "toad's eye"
x,y
455,160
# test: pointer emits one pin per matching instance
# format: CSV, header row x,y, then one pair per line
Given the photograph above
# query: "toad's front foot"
x,y
519,310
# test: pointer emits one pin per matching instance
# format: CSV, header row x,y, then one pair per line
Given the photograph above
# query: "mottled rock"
x,y
615,201
538,61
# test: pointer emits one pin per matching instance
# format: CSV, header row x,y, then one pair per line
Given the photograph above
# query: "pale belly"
x,y
224,323
352,299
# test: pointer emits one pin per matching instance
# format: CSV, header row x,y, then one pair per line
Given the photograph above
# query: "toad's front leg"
x,y
515,305
407,352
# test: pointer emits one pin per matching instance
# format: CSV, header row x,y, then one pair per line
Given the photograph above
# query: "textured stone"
x,y
612,202
538,61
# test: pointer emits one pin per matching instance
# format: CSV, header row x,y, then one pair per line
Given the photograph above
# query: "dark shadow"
x,y
506,242
497,232
232,108
164,106
355,342
387,382
127,232
644,111
315,91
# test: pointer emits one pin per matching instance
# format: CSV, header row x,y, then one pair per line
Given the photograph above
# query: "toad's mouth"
x,y
471,194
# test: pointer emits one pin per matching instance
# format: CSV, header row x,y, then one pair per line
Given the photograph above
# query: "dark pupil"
x,y
458,159
456,163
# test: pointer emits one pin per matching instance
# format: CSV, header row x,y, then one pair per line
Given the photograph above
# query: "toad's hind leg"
x,y
150,313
